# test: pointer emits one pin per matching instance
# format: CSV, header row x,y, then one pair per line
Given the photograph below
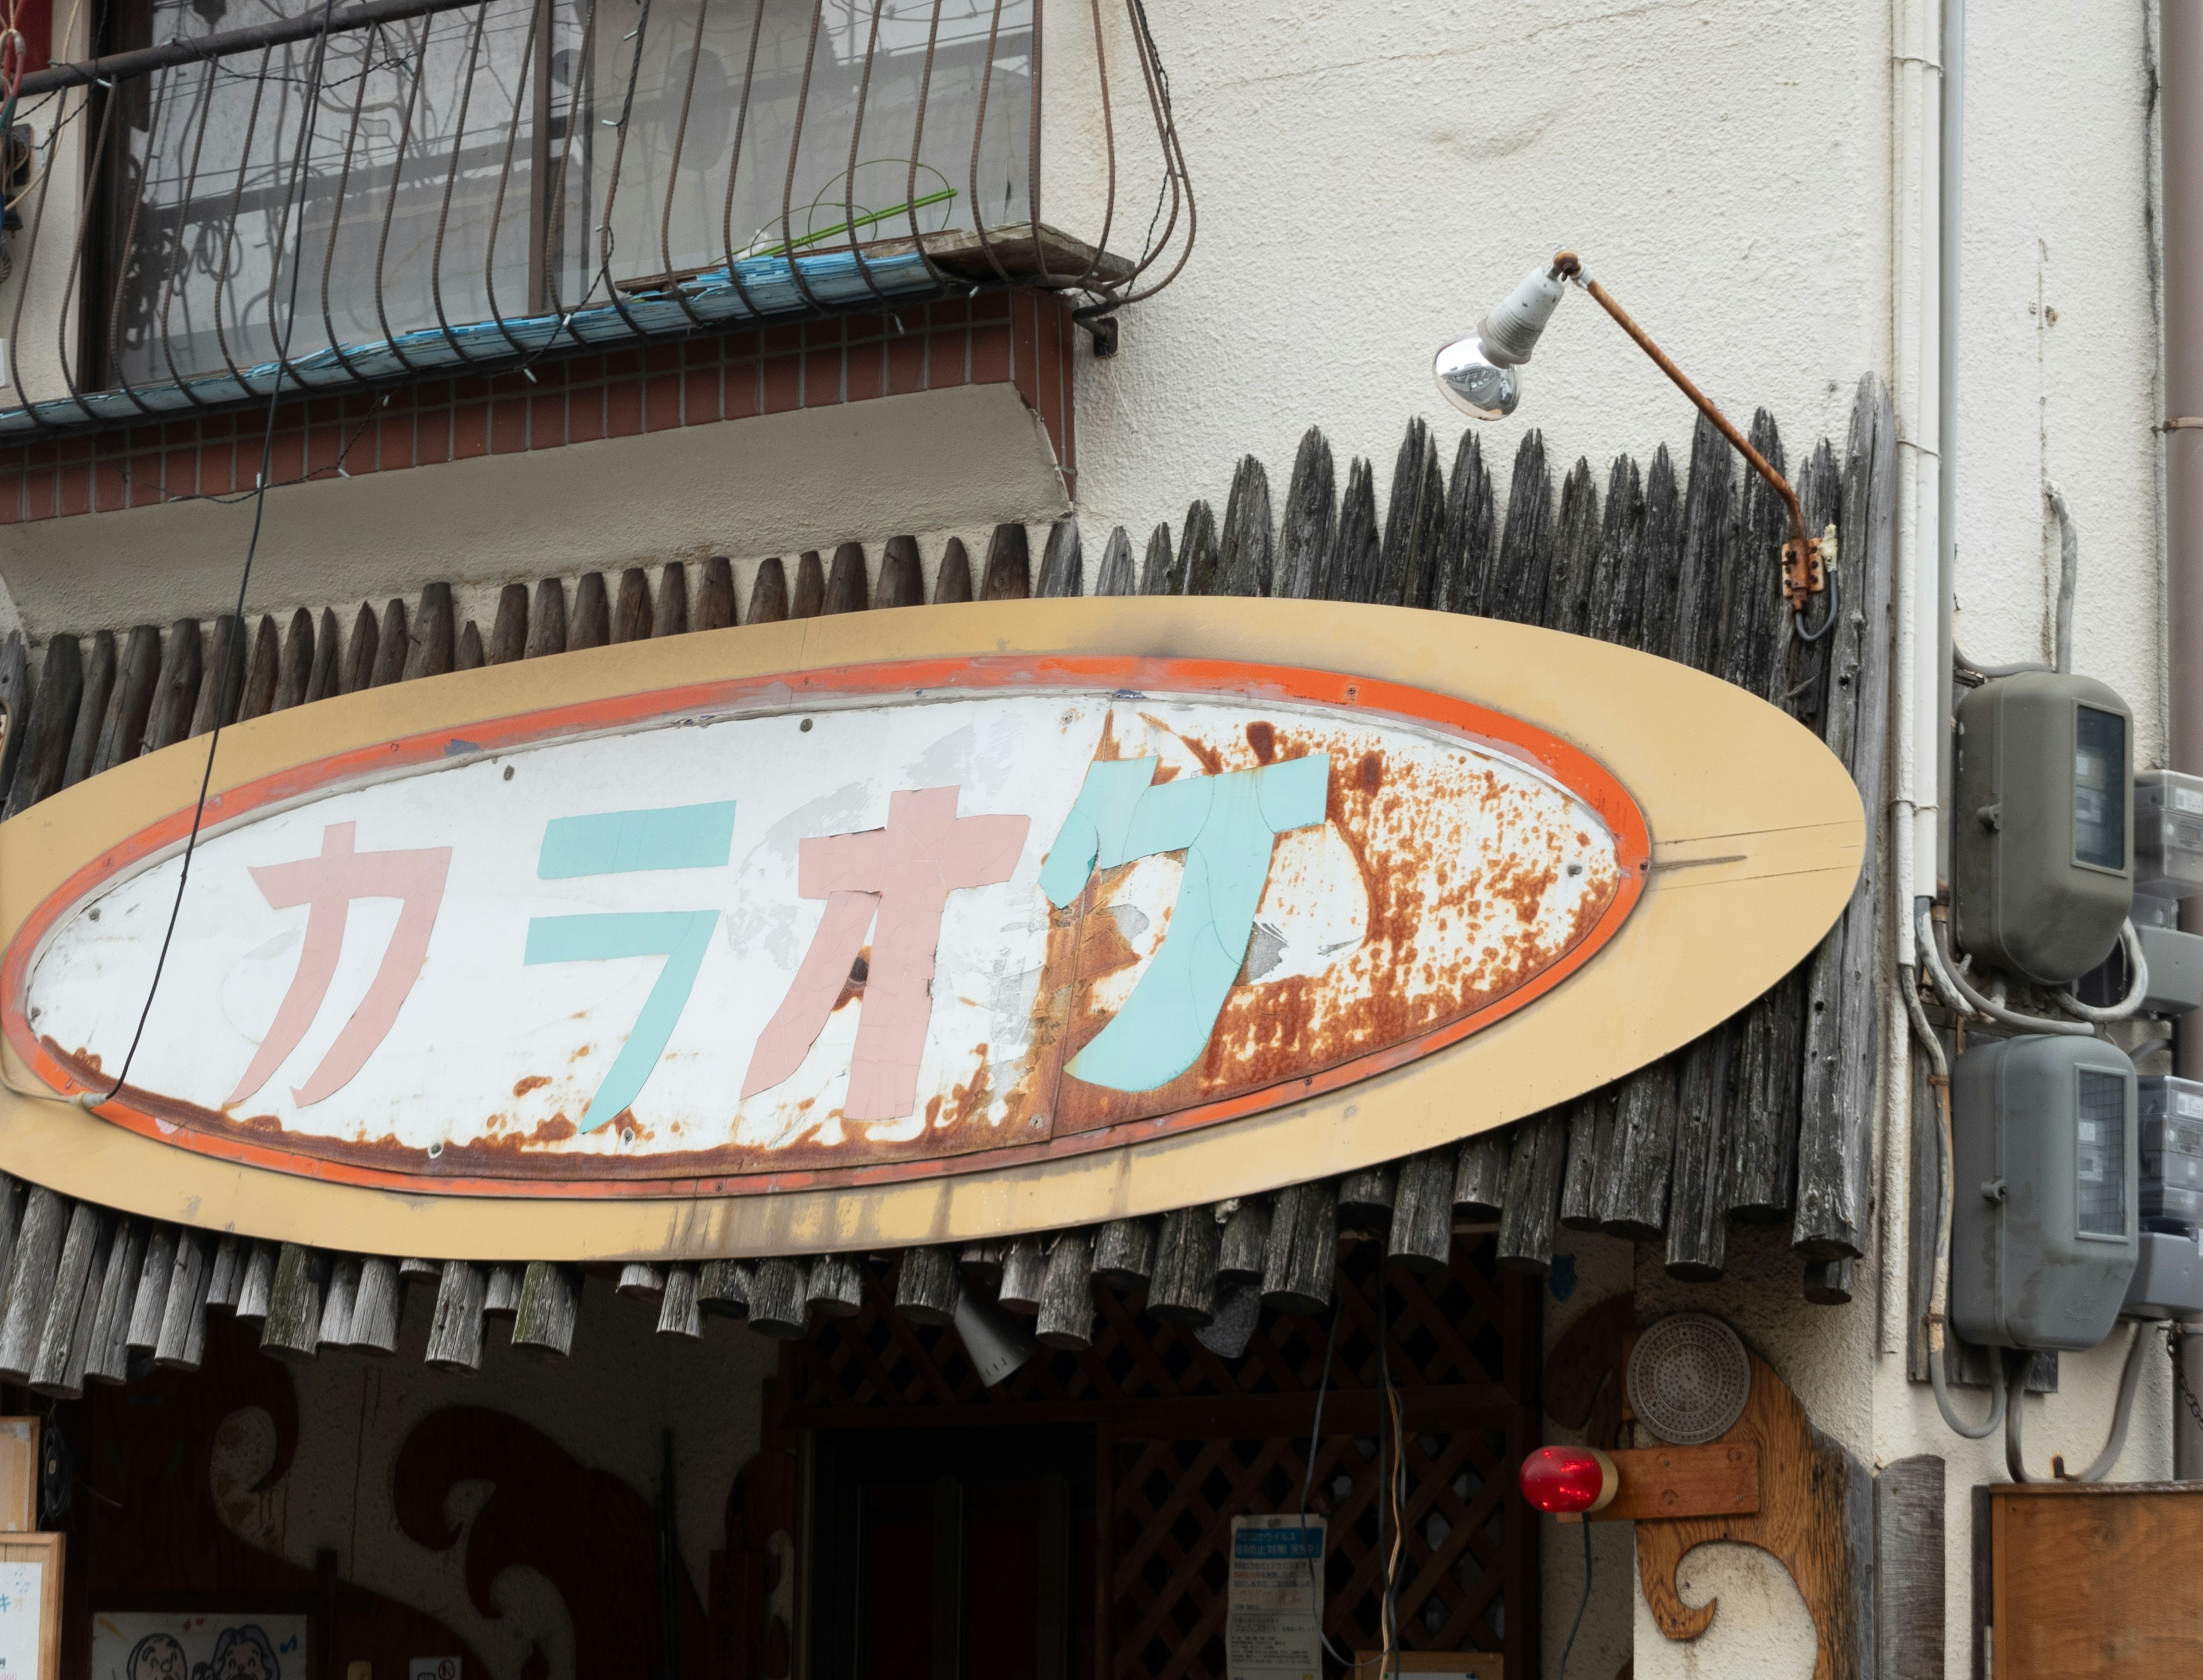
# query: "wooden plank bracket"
x,y
1662,1483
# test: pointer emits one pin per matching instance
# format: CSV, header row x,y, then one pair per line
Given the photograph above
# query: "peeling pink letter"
x,y
327,885
902,875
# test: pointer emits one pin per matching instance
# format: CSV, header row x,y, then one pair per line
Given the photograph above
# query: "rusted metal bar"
x,y
229,42
1802,571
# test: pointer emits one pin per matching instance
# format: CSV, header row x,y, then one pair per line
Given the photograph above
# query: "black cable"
x,y
1307,1479
1388,1607
1583,1603
233,655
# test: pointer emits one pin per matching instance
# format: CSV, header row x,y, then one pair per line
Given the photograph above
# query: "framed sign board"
x,y
31,1606
203,1636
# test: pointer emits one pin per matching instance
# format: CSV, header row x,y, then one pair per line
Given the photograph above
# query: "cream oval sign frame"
x,y
933,924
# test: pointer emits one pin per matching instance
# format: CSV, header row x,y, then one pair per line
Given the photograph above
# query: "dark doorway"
x,y
953,1554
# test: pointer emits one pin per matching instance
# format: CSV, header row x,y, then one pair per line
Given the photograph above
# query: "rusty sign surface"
x,y
920,920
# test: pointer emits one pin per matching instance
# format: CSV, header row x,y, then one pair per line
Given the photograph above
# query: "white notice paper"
x,y
22,1593
1271,1626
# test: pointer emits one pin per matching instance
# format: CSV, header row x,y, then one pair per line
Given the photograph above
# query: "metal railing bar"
x,y
856,137
67,317
673,167
577,130
978,141
735,156
451,185
796,152
309,110
169,282
129,241
933,270
229,44
1180,183
336,217
521,94
607,240
396,177
37,220
1033,72
229,232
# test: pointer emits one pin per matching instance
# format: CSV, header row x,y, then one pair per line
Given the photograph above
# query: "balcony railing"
x,y
313,197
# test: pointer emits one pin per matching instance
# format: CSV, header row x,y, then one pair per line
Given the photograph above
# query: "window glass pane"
x,y
2101,1201
2099,788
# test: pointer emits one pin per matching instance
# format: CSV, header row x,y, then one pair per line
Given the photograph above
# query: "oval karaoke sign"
x,y
918,917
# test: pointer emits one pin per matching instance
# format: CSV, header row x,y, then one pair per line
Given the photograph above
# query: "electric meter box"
x,y
2175,961
2043,850
2044,1233
2168,1279
2168,838
2172,1113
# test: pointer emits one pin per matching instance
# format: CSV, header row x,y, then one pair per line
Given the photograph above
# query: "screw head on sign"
x,y
1564,1479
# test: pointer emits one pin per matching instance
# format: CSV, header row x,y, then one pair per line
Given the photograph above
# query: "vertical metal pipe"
x,y
1950,235
2180,106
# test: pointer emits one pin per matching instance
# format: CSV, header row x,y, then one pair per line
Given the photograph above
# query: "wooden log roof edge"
x,y
1766,1117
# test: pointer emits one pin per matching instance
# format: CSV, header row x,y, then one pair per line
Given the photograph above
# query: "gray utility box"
x,y
2044,1232
2171,1112
2176,970
2168,839
2168,1281
2044,851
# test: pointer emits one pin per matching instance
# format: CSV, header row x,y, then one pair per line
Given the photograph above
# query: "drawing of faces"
x,y
158,1656
242,1652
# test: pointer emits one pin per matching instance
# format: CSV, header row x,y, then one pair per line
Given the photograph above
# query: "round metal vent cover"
x,y
1689,1377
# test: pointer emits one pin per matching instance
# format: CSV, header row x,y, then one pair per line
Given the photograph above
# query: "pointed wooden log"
x,y
590,623
677,1312
150,1301
1408,559
376,1307
258,1285
130,703
1524,569
1422,1213
455,1331
62,1341
1301,1257
471,654
295,667
222,683
723,1287
361,651
262,671
1465,555
953,582
639,1281
1125,1253
110,1358
1183,1290
1356,552
1065,1314
14,706
902,577
14,1198
393,642
1244,565
327,677
836,1285
845,590
1311,520
432,646
1614,588
1633,1197
1365,1197
52,726
769,592
1117,577
292,1330
1024,1269
1698,1212
226,1271
30,1273
1576,555
1527,1222
1246,1238
928,1285
547,620
1590,1143
780,1304
549,1307
339,1300
1829,1283
508,631
1480,1177
502,1290
91,709
1009,565
1660,556
632,617
1062,567
1160,572
670,615
176,690
1196,549
715,601
808,600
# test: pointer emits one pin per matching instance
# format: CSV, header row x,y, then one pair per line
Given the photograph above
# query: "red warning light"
x,y
1565,1479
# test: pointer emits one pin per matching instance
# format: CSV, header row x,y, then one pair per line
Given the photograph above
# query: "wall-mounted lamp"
x,y
1477,376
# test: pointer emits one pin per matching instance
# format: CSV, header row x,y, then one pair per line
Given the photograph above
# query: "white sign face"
x,y
869,933
196,1645
23,1616
1271,1630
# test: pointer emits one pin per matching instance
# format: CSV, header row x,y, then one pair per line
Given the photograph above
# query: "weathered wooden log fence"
x,y
1766,1117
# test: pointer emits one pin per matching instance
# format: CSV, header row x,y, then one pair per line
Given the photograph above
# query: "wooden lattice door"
x,y
1186,1440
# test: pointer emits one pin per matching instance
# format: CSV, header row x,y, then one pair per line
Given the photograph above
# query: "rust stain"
x,y
860,971
533,1082
1370,772
1263,738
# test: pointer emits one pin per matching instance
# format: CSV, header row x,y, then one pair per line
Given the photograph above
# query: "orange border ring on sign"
x,y
1576,771
1756,837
